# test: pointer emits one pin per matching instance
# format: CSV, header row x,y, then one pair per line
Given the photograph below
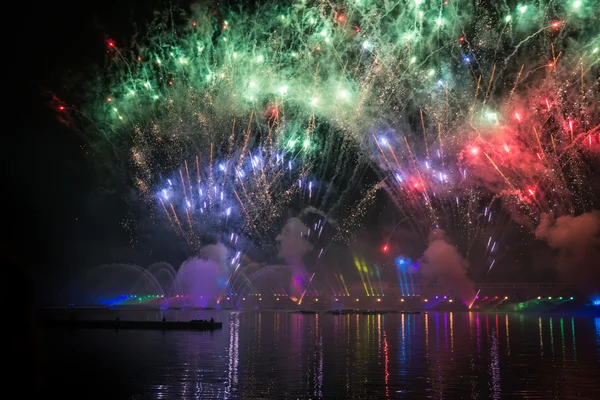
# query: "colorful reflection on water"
x,y
392,356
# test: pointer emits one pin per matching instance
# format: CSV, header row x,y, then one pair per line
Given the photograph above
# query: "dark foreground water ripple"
x,y
277,355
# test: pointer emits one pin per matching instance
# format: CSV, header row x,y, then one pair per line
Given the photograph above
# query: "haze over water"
x,y
280,355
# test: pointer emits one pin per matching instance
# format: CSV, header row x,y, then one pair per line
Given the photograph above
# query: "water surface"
x,y
279,355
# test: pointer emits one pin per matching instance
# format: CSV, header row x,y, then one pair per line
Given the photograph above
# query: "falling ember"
x,y
518,117
531,192
506,148
548,104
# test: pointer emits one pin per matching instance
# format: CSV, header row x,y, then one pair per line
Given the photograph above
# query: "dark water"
x,y
269,355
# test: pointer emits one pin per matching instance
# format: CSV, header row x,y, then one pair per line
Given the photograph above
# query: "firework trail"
x,y
478,117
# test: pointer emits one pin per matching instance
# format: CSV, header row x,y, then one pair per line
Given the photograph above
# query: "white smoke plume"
x,y
293,242
201,279
577,241
218,253
442,263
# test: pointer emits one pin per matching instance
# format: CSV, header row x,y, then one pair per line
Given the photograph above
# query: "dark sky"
x,y
53,226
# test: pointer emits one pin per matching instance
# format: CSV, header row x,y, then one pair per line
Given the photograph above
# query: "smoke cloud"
x,y
293,242
217,253
201,279
577,241
442,263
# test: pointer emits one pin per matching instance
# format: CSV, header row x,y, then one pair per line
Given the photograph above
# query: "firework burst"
x,y
476,117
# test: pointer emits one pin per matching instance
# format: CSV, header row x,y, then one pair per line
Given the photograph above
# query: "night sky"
x,y
59,220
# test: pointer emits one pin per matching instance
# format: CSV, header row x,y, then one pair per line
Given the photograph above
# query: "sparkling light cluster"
x,y
474,114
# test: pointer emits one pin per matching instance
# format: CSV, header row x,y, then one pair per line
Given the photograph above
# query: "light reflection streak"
x,y
311,365
403,348
319,381
507,336
452,332
426,335
541,337
437,331
562,339
574,342
497,326
402,353
470,326
409,332
386,365
551,337
234,335
369,328
347,369
495,365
